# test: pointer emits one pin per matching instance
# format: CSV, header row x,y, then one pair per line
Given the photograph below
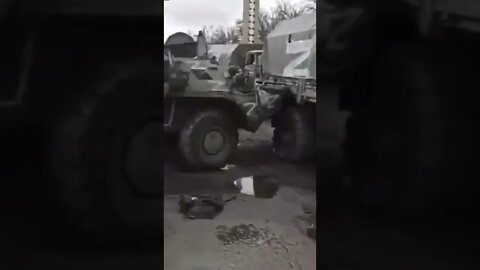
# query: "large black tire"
x,y
88,151
193,136
294,134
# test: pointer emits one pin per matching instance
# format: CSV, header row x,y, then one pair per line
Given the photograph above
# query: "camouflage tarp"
x,y
290,49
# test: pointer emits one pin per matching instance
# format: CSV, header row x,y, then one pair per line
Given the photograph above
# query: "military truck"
x,y
287,65
210,99
80,86
407,71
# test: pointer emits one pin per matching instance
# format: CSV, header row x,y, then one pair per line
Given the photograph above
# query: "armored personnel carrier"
x,y
210,99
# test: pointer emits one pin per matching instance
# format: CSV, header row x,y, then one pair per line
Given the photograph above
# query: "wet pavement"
x,y
263,227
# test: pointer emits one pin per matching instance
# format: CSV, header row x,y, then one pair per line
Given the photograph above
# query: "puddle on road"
x,y
260,186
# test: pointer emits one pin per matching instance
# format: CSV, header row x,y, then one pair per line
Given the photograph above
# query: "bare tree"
x,y
237,30
268,20
221,35
233,34
282,11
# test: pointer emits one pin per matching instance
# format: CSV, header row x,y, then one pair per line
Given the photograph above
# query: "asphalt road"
x,y
280,218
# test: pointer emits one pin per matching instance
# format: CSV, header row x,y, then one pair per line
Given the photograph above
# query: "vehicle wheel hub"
x,y
213,142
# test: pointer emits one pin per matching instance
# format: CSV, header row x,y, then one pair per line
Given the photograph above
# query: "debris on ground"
x,y
249,242
246,234
268,199
251,236
201,206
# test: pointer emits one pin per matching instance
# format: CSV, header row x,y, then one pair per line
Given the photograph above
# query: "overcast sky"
x,y
184,15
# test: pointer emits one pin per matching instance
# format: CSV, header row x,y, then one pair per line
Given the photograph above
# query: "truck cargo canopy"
x,y
290,49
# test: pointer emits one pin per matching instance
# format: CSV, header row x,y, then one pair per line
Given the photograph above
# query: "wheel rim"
x,y
213,142
143,159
